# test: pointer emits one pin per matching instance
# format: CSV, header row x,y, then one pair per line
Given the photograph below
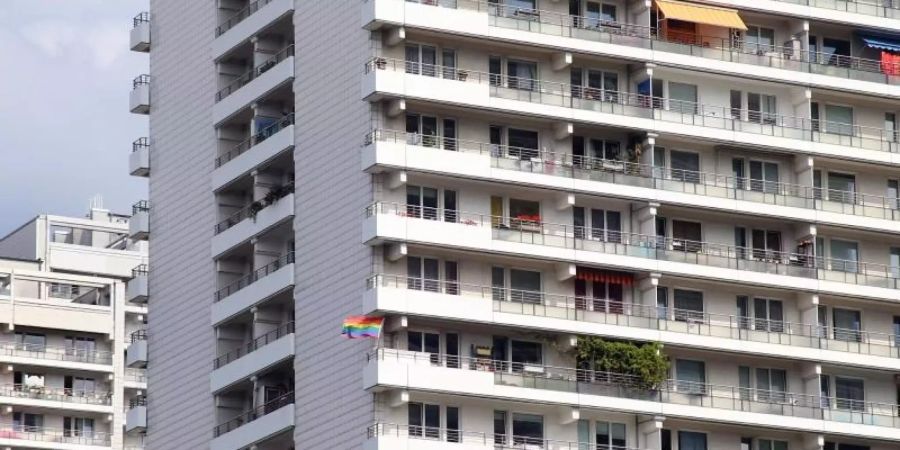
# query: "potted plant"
x,y
461,75
380,63
255,208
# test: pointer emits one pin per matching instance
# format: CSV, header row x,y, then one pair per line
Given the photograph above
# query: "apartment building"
x,y
73,307
655,225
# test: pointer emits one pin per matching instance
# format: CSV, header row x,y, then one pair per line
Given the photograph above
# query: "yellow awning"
x,y
709,15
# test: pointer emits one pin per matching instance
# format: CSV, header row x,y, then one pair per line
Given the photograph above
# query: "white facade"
x,y
68,324
498,179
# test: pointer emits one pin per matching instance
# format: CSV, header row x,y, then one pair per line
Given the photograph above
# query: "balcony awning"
x,y
708,15
882,43
604,276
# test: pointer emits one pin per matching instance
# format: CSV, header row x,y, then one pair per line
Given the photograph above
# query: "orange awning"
x,y
708,15
604,276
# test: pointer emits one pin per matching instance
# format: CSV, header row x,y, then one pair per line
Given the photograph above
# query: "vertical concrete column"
x,y
808,304
647,288
650,433
117,335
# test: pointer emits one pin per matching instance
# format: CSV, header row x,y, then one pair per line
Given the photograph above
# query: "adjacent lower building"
x,y
73,307
651,224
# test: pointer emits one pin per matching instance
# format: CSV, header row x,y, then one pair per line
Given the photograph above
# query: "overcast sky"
x,y
65,129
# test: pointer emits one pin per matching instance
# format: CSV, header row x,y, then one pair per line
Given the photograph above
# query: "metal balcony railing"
x,y
139,335
141,270
655,108
254,276
611,312
143,17
136,375
713,47
255,72
253,208
87,397
536,232
141,206
15,431
262,341
253,414
140,144
140,80
55,353
564,164
140,400
255,139
497,441
674,391
240,16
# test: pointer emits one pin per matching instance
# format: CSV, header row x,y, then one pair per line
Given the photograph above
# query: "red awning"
x,y
604,276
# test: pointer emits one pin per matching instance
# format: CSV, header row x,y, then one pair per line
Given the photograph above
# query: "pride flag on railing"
x,y
356,327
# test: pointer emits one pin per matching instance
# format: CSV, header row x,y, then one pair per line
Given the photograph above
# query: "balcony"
x,y
140,33
679,328
56,398
254,151
140,95
139,160
259,354
388,78
136,289
136,378
588,389
136,418
856,13
255,425
136,353
248,22
63,357
24,436
253,219
387,222
139,224
261,284
254,84
559,169
564,32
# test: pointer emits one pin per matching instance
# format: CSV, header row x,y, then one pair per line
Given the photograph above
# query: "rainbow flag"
x,y
356,327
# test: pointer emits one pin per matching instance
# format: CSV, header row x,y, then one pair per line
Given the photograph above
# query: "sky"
x,y
65,129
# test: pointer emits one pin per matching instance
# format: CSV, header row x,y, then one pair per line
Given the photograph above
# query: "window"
x,y
766,245
448,61
606,225
771,385
451,213
68,291
498,283
736,102
27,422
522,144
690,440
835,52
599,14
761,108
683,98
78,386
78,426
847,325
894,262
690,376
422,130
662,302
759,40
605,150
838,446
686,236
528,429
600,85
521,75
26,380
422,273
685,166
453,434
419,341
849,393
607,297
743,312
839,120
495,67
421,60
844,256
500,427
767,444
769,315
688,306
891,133
610,435
524,212
525,286
424,420
31,342
764,176
451,277
422,202
525,356
451,347
449,134
841,187
893,194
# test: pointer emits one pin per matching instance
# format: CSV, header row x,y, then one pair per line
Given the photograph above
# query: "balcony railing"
x,y
712,47
140,80
140,144
655,108
710,184
682,392
141,206
143,17
660,248
253,345
253,277
10,431
24,350
255,139
489,440
253,208
611,312
253,414
80,396
140,400
139,335
255,72
140,270
240,16
136,375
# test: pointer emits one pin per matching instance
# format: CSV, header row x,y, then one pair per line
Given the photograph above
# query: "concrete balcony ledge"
x,y
139,223
136,354
254,293
140,33
139,159
139,99
247,365
136,289
268,81
44,438
257,16
253,157
268,217
255,428
136,419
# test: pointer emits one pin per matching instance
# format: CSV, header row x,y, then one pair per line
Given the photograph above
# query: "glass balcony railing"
x,y
255,72
626,314
655,108
136,375
253,277
672,391
713,47
708,184
255,139
254,345
253,414
536,232
476,438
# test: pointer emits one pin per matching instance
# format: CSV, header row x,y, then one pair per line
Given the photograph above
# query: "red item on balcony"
x,y
890,63
529,218
604,276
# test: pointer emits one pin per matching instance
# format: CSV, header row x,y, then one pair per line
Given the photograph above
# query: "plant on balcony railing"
x,y
275,193
646,363
255,413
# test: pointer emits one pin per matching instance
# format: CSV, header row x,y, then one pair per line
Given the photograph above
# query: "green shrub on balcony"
x,y
646,363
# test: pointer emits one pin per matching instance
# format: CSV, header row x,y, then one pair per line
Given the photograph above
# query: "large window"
x,y
27,422
524,212
422,202
769,444
525,286
841,187
610,436
683,98
759,40
685,166
849,393
847,325
522,144
761,108
764,176
423,273
424,420
528,429
767,245
521,75
771,385
421,59
690,376
688,306
769,315
690,440
839,120
606,225
526,356
418,341
686,236
844,256
31,341
78,426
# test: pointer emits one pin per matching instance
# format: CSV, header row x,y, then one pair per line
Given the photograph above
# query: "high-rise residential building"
x,y
73,307
656,225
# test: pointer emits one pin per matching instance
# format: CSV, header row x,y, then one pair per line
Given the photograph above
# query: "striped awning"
x,y
882,43
708,15
604,276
